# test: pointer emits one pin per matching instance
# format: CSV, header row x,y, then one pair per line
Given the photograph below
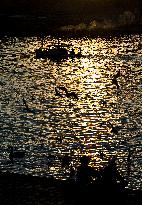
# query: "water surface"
x,y
56,125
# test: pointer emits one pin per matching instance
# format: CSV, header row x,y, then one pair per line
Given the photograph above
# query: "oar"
x,y
129,162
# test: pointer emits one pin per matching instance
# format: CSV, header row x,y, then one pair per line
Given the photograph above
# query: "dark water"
x,y
59,125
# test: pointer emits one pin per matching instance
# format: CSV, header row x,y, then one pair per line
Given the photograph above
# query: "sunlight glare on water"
x,y
54,126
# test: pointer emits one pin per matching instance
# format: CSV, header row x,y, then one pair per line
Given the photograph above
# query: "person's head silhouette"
x,y
112,161
84,160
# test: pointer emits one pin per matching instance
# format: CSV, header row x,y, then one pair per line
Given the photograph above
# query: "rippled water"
x,y
56,125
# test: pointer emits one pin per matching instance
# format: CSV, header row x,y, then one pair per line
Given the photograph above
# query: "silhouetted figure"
x,y
86,173
66,159
111,174
86,187
15,154
112,183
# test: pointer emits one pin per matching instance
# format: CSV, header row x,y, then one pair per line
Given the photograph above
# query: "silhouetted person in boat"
x,y
66,159
85,187
113,183
111,174
86,173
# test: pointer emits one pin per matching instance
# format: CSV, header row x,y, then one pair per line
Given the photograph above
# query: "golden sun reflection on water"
x,y
59,125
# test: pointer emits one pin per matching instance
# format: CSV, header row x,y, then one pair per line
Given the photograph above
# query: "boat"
x,y
53,52
56,52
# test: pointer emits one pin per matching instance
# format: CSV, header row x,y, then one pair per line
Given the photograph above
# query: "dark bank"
x,y
27,189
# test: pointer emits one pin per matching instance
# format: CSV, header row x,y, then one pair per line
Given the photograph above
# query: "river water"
x,y
54,125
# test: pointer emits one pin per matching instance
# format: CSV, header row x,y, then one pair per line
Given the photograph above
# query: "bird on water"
x,y
15,154
69,94
114,80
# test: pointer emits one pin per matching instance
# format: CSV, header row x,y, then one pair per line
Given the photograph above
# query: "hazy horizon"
x,y
61,7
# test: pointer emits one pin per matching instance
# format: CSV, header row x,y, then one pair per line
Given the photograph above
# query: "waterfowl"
x,y
57,93
27,107
15,154
72,94
115,82
63,88
103,102
118,74
53,52
114,130
50,159
69,94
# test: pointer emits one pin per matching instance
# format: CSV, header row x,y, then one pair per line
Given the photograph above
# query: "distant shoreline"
x,y
30,26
